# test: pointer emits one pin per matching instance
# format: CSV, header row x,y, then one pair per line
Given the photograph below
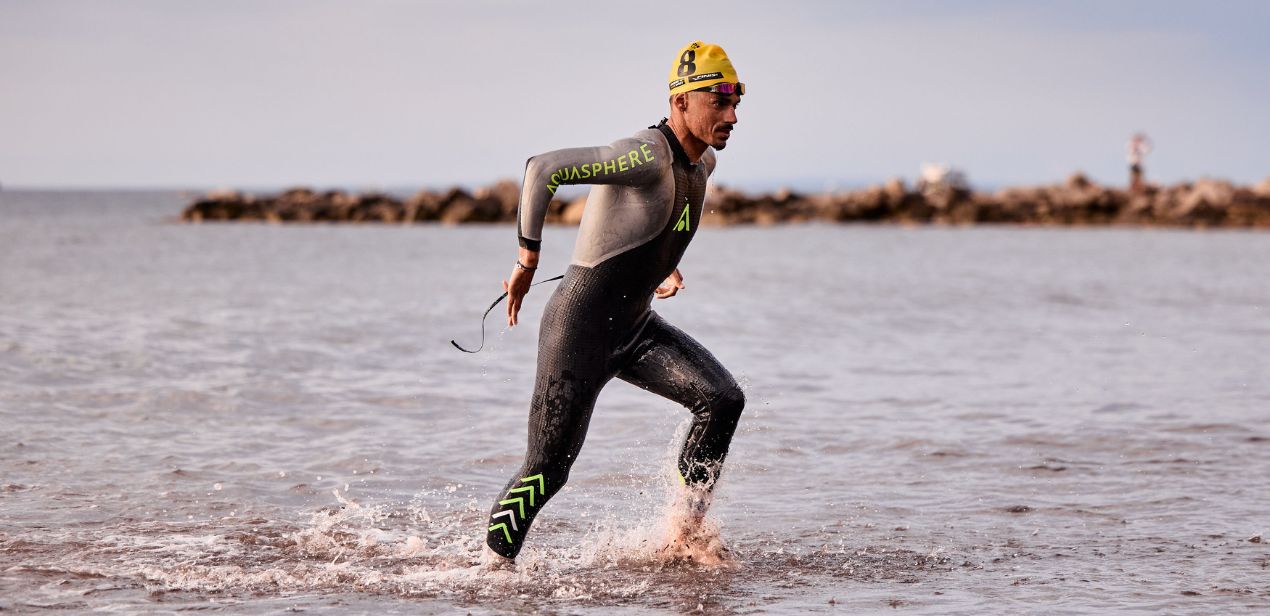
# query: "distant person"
x,y
1137,150
598,324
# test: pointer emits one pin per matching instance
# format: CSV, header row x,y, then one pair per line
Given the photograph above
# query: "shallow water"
x,y
261,418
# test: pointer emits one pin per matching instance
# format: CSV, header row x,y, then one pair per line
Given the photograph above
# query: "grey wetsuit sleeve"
x,y
633,161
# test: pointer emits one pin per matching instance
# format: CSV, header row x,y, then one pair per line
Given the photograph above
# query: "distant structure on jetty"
x,y
1136,152
1078,201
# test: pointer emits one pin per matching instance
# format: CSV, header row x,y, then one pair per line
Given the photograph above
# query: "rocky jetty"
x,y
1078,201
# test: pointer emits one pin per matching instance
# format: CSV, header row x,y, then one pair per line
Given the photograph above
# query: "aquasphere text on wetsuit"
x,y
622,163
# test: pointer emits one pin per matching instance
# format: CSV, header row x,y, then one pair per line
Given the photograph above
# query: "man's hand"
x,y
670,286
518,283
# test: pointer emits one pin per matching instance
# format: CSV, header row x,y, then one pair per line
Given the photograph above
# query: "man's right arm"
x,y
630,161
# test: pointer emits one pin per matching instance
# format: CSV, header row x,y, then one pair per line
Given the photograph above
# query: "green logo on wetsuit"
x,y
685,220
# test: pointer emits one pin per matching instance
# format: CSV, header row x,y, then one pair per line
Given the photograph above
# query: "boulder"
x,y
457,206
423,206
1205,204
507,194
1078,181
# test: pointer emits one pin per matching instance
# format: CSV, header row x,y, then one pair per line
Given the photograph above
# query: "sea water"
x,y
259,418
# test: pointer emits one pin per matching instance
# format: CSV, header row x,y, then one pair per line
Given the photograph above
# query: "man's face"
x,y
711,116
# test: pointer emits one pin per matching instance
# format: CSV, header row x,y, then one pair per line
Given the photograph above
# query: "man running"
x,y
598,324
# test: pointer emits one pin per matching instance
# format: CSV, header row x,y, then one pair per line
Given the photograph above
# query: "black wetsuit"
x,y
599,324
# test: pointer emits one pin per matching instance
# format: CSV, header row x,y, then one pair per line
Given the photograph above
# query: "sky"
x,y
398,94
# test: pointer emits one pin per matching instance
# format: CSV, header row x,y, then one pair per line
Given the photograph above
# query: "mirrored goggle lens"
x,y
726,88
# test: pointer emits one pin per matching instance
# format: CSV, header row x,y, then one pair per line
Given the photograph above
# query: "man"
x,y
644,209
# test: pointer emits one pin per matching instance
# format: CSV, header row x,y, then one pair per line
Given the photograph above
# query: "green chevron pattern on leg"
x,y
529,489
519,501
506,533
536,487
520,504
542,486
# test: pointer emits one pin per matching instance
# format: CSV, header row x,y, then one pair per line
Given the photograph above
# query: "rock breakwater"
x,y
1078,201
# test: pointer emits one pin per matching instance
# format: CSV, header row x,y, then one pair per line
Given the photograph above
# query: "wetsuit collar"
x,y
680,155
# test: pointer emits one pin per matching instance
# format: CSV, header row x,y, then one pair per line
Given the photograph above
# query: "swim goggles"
x,y
724,88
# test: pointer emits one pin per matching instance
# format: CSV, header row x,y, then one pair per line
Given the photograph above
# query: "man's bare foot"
x,y
493,561
690,537
700,545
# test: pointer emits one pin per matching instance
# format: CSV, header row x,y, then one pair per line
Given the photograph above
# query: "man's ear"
x,y
680,101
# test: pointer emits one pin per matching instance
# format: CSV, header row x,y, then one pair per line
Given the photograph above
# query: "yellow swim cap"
x,y
700,65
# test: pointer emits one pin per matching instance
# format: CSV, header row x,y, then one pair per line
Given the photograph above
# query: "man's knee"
x,y
554,474
729,402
